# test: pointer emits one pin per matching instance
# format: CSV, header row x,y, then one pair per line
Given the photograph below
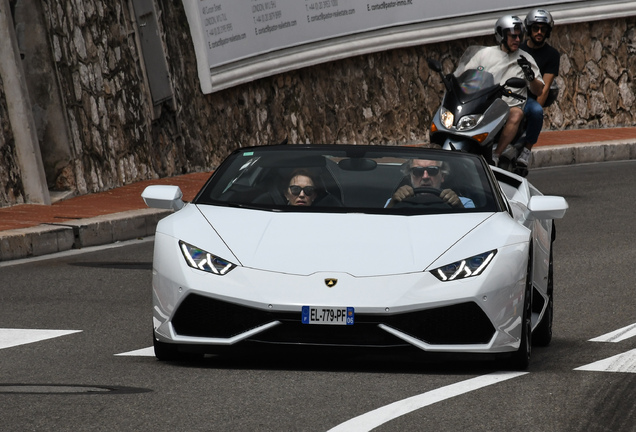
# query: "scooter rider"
x,y
539,25
509,33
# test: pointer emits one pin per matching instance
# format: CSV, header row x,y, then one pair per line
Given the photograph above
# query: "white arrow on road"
x,y
617,335
14,337
625,362
144,352
378,417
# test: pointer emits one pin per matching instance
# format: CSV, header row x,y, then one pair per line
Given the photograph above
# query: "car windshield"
x,y
348,178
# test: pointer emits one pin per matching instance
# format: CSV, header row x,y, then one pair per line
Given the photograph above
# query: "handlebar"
x,y
509,93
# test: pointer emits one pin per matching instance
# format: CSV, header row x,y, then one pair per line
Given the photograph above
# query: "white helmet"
x,y
539,16
507,24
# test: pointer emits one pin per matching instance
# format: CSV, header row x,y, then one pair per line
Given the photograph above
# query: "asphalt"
x,y
77,222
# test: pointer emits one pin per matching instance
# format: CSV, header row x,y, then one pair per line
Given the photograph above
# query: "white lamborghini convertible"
x,y
354,247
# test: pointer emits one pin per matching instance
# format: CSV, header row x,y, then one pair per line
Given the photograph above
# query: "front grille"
x,y
206,317
464,323
361,334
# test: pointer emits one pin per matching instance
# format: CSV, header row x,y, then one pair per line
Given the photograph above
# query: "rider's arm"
x,y
547,78
536,86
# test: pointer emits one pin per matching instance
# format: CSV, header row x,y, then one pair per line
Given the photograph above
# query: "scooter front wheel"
x,y
521,170
505,163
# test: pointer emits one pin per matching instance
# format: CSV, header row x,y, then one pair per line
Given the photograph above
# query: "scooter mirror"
x,y
516,83
434,64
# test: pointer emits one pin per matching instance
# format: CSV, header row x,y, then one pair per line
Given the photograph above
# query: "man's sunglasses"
x,y
308,190
432,171
514,36
539,28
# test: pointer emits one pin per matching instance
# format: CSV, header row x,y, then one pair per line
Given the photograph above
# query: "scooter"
x,y
472,113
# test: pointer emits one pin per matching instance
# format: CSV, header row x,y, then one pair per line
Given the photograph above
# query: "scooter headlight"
x,y
447,118
468,122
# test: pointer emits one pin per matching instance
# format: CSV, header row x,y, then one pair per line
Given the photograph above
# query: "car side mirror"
x,y
163,197
542,207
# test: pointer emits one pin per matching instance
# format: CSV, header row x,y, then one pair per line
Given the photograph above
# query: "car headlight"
x,y
447,118
465,268
202,260
468,122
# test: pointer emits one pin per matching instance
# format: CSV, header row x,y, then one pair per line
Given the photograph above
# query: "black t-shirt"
x,y
547,58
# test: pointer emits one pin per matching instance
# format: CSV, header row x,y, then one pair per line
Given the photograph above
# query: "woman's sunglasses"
x,y
296,190
432,171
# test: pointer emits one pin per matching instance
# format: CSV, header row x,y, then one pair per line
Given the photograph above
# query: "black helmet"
x,y
539,16
507,24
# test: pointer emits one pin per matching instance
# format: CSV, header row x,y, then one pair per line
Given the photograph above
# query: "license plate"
x,y
327,315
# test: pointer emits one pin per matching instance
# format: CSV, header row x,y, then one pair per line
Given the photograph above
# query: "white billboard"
x,y
241,40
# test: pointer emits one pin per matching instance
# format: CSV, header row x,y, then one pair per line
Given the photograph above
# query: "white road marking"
x,y
375,418
625,362
144,352
14,337
617,335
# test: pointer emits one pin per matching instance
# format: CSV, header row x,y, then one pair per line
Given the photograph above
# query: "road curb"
x,y
571,154
51,238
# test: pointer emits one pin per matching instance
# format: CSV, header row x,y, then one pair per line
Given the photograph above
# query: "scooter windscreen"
x,y
481,67
486,58
473,80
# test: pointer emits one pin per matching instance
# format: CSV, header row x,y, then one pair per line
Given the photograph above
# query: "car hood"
x,y
358,244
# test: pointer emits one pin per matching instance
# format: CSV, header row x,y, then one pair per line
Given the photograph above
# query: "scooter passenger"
x,y
539,25
506,61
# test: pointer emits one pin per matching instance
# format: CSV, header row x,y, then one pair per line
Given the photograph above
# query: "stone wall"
x,y
596,75
387,97
96,58
11,190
